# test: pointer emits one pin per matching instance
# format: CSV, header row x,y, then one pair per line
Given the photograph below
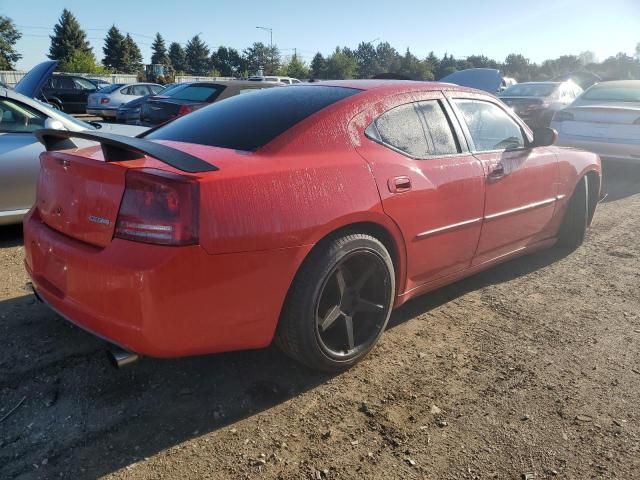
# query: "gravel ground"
x,y
529,370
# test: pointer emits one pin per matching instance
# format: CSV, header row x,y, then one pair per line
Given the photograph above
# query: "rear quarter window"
x,y
248,122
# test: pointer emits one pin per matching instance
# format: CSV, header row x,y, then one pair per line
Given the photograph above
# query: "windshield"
x,y
197,93
614,93
49,110
530,90
171,88
111,88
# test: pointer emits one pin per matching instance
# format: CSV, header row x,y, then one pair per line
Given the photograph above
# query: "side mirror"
x,y
53,124
544,137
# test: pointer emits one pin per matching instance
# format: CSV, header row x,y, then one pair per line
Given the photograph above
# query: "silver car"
x,y
106,101
605,119
21,115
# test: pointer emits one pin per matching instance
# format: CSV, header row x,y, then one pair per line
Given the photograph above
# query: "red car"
x,y
303,214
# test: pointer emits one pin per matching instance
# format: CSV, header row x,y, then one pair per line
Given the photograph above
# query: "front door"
x,y
521,183
430,184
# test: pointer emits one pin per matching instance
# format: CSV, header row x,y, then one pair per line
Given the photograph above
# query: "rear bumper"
x,y
616,150
102,112
161,301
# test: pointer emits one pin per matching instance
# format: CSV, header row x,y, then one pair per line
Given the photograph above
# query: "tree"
x,y
446,66
411,67
387,57
637,54
433,61
9,35
318,66
257,57
517,66
197,56
481,61
177,57
367,58
81,62
159,51
132,56
114,50
587,57
67,38
297,68
342,64
228,62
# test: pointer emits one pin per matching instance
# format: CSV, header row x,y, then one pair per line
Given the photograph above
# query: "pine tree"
x,y
114,50
9,35
132,56
197,57
159,49
297,68
177,57
318,66
67,38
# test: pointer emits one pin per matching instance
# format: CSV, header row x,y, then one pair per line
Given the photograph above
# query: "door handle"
x,y
399,184
497,172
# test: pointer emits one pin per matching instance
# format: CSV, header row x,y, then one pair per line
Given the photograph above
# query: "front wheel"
x,y
339,303
576,219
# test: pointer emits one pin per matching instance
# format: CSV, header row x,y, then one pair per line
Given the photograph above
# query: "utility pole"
x,y
270,30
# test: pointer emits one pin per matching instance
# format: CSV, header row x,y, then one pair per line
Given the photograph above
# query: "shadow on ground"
x,y
79,413
621,180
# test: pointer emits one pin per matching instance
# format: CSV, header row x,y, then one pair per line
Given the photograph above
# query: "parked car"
x,y
130,112
68,93
536,102
105,102
487,79
271,79
605,119
100,83
20,116
193,96
304,213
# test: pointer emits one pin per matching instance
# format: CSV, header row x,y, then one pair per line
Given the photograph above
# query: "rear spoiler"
x,y
118,148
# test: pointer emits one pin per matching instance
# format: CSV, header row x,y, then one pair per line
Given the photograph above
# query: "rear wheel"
x,y
576,219
339,303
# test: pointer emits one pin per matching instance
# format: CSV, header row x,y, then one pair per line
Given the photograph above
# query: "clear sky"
x,y
539,29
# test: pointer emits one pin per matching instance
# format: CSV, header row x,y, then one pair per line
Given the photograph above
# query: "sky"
x,y
539,29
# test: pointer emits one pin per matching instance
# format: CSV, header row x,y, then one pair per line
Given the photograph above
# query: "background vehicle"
x,y
284,80
130,111
487,79
20,116
536,102
193,96
323,218
605,119
68,93
105,102
100,83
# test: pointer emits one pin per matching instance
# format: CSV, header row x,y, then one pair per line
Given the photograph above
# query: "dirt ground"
x,y
529,370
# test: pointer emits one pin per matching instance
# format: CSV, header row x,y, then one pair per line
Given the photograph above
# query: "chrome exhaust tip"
x,y
119,357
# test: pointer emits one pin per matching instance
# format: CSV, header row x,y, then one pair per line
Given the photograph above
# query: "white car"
x,y
605,120
106,101
272,79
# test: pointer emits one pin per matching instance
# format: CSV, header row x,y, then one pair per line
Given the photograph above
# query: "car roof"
x,y
620,83
393,86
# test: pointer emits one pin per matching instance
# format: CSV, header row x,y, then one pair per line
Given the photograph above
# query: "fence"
x,y
12,77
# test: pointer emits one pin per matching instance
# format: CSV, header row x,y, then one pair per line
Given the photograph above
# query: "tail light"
x,y
159,207
563,116
104,100
184,109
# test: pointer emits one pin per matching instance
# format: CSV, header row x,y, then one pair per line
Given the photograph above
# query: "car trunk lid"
x,y
609,122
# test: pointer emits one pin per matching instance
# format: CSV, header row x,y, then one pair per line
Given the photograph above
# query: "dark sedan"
x,y
193,96
130,111
536,102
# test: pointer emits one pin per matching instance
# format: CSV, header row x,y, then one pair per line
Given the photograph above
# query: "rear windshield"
x,y
197,93
613,93
111,88
247,122
529,90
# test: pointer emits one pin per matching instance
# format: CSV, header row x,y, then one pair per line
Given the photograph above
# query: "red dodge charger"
x,y
300,214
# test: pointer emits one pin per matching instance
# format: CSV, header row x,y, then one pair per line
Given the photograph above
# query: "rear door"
x,y
430,184
521,183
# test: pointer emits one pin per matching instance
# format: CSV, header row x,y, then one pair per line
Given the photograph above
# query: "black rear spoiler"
x,y
118,148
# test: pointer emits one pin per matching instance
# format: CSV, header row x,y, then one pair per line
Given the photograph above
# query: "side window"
x,y
490,126
126,91
154,89
140,90
66,82
440,138
400,128
82,84
16,117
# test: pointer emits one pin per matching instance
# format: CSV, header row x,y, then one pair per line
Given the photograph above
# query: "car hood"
x,y
487,79
129,130
31,84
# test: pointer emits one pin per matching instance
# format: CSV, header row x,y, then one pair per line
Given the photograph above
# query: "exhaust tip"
x,y
119,357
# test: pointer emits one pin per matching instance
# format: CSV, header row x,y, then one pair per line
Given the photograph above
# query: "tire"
x,y
576,219
348,280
